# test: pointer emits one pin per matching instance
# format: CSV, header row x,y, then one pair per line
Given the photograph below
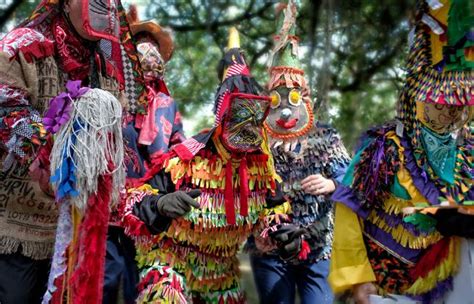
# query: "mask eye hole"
x,y
294,97
276,99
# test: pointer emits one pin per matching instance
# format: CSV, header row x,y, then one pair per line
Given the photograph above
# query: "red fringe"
x,y
244,187
153,169
431,259
88,277
37,50
229,195
134,226
305,250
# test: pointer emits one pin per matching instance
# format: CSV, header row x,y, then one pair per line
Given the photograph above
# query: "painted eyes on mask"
x,y
294,97
243,114
276,100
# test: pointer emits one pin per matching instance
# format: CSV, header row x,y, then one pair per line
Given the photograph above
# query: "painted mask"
x,y
443,118
242,127
290,113
95,19
152,63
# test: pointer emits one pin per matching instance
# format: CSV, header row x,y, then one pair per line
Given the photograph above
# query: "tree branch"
x,y
246,15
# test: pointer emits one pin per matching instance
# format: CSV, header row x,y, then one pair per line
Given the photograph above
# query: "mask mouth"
x,y
287,124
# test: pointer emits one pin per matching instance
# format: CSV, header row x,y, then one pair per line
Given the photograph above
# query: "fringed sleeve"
x,y
140,215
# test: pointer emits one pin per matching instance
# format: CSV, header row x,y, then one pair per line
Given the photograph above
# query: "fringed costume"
x,y
421,161
37,59
190,256
301,148
147,138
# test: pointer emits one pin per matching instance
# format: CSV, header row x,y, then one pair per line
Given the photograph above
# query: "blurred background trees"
x,y
353,53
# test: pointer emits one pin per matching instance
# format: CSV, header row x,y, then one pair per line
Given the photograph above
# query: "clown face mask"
x,y
152,63
95,19
441,118
242,129
290,115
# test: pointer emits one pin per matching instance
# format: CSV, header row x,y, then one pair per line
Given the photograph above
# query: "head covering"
x,y
441,58
286,72
119,52
440,71
161,36
284,64
236,82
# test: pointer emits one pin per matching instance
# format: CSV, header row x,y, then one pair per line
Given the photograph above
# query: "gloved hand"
x,y
452,223
289,238
277,199
178,203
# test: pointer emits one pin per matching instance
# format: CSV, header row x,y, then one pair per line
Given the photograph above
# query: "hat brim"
x,y
162,37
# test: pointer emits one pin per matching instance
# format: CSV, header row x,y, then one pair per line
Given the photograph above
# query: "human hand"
x,y
317,184
178,203
362,291
289,238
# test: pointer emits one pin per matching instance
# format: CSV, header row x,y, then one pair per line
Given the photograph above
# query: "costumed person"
x,y
422,159
309,156
147,138
60,41
203,199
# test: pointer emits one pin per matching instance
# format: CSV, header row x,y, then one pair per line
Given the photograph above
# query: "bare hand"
x,y
362,291
318,185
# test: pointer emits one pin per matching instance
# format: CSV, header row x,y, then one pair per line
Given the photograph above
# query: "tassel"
x,y
244,187
305,250
87,278
229,195
431,259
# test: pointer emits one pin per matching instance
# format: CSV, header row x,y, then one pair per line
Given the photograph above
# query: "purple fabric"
x,y
421,181
60,106
436,293
375,165
348,197
393,220
387,240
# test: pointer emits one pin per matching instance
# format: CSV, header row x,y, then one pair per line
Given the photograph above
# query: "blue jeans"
x,y
277,282
120,266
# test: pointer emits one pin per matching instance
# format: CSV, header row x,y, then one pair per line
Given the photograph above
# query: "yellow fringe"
x,y
403,236
144,188
395,205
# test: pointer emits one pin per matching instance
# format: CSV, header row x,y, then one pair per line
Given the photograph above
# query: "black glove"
x,y
277,199
450,222
178,203
289,239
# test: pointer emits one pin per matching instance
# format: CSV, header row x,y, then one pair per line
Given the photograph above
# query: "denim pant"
x,y
120,267
277,282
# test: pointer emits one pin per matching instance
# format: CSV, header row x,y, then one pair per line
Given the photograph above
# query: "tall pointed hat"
x,y
441,57
291,115
440,72
284,65
236,81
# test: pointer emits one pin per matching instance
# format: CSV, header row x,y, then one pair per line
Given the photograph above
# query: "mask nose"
x,y
285,114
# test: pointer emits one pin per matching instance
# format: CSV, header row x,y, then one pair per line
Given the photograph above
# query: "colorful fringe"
x,y
201,247
407,254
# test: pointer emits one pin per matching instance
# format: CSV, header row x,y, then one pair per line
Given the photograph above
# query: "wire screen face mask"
x,y
100,18
242,129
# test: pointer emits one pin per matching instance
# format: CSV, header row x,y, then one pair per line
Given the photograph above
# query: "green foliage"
x,y
353,53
